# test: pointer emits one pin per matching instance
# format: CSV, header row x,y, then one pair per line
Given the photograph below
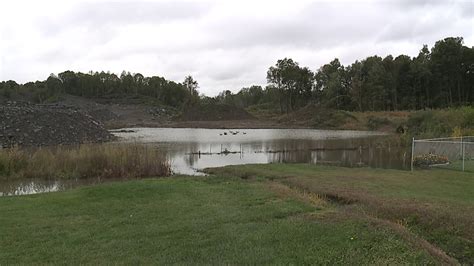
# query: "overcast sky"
x,y
222,44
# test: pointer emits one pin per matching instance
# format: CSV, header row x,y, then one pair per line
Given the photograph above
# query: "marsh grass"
x,y
84,161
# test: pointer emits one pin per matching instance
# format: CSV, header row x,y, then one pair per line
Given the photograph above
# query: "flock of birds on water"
x,y
232,133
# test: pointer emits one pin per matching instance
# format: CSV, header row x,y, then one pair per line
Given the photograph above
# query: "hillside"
x,y
215,112
420,123
43,125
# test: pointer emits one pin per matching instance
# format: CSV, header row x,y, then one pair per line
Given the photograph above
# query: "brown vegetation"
x,y
84,161
214,112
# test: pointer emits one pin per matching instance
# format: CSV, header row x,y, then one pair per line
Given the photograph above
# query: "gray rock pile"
x,y
27,124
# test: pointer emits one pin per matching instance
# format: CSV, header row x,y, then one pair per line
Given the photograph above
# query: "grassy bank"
x,y
208,220
433,205
84,161
421,124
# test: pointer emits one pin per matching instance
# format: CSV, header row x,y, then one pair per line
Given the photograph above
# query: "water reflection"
x,y
11,188
35,186
190,150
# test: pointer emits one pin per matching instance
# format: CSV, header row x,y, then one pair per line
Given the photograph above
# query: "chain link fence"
x,y
456,153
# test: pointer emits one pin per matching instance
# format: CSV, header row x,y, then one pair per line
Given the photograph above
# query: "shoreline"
x,y
229,124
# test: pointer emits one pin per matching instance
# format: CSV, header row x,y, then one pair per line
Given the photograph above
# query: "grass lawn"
x,y
457,166
187,220
435,206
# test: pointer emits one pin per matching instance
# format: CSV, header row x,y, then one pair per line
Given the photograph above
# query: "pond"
x,y
190,150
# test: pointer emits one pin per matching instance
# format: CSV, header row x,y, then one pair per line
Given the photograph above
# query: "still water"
x,y
190,150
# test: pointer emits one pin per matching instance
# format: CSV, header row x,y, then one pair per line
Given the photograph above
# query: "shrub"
x,y
440,123
425,160
468,117
457,132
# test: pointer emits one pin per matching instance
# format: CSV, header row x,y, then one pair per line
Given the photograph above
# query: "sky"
x,y
224,45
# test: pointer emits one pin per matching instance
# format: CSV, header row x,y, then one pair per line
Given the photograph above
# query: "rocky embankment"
x,y
27,124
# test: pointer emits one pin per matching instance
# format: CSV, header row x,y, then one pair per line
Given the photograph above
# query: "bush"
x,y
440,123
425,160
468,117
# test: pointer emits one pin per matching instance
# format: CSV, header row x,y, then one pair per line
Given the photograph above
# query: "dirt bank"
x,y
116,113
214,112
27,124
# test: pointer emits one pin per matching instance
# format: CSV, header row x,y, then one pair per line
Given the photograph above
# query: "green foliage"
x,y
439,123
6,92
191,85
104,85
8,88
439,78
294,83
468,117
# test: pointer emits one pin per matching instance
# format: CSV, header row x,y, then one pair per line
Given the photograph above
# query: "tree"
x,y
293,83
390,83
405,96
127,82
446,66
138,80
374,94
54,86
249,96
356,90
191,85
436,78
421,75
467,70
331,81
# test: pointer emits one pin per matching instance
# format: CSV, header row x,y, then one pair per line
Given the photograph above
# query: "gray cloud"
x,y
225,45
106,15
467,9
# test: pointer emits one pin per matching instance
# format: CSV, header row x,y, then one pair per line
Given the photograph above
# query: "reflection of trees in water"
x,y
372,151
191,159
347,152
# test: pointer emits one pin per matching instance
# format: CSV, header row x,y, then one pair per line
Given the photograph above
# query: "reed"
x,y
84,161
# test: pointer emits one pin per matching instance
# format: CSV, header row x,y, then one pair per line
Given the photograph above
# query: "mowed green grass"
x,y
436,205
186,220
458,165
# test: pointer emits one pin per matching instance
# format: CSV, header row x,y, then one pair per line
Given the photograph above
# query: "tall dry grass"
x,y
84,161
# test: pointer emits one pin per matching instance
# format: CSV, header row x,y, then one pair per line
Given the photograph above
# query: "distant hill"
x,y
214,112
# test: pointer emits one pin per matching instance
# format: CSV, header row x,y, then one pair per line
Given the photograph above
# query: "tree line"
x,y
437,78
440,77
105,84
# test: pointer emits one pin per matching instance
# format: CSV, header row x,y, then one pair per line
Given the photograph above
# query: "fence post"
x,y
412,152
463,152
